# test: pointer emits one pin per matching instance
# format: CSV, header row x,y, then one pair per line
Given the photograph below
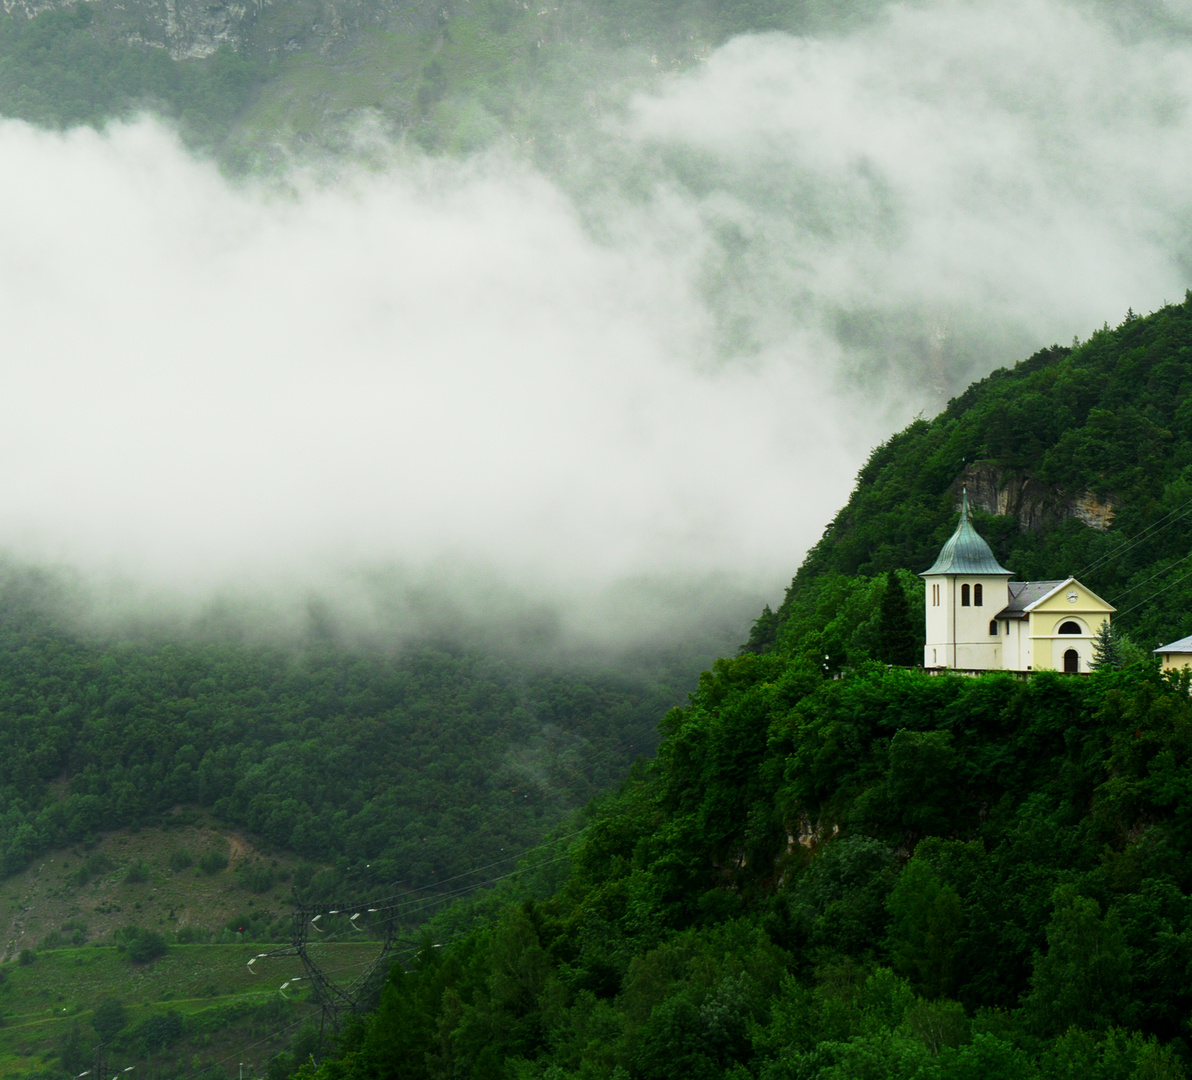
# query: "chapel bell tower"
x,y
966,588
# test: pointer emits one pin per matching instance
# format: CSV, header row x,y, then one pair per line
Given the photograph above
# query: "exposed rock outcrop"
x,y
1034,504
193,29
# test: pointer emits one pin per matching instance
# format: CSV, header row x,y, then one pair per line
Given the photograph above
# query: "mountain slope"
x,y
413,767
890,873
1079,462
240,78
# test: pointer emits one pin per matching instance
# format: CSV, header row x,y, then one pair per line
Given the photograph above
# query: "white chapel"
x,y
980,620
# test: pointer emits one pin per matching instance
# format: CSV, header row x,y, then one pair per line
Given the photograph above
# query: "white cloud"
x,y
437,376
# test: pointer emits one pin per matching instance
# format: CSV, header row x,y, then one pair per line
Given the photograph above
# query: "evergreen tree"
x,y
763,634
898,643
1107,648
109,1019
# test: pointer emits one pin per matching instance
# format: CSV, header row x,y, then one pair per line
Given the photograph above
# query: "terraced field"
x,y
214,899
194,1008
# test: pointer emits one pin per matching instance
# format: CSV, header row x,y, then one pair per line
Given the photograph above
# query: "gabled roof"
x,y
1060,585
1025,594
966,552
1184,645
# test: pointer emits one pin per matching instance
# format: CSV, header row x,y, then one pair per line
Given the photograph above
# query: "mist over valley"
x,y
406,404
619,370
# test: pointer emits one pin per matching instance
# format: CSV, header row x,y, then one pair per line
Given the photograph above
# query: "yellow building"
x,y
980,620
1176,655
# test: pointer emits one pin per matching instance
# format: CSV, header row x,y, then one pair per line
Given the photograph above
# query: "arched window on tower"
x,y
977,595
992,627
964,596
1070,628
1072,662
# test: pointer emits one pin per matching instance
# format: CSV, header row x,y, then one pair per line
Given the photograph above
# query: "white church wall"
x,y
958,634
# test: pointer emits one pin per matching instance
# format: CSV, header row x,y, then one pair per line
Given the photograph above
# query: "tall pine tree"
x,y
898,641
1107,648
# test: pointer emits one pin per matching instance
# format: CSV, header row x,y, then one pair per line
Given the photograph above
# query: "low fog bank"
x,y
606,406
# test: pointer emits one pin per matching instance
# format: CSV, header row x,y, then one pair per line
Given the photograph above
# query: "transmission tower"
x,y
358,995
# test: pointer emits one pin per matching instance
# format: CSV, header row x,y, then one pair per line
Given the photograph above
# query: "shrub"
x,y
109,1018
256,877
26,957
141,945
73,1049
148,945
214,860
180,859
136,873
97,865
158,1032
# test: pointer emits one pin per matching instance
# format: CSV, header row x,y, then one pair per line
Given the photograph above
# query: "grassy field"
x,y
191,880
196,1011
196,1007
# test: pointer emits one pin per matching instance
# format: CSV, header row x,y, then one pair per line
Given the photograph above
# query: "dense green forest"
x,y
835,868
885,875
1110,417
413,767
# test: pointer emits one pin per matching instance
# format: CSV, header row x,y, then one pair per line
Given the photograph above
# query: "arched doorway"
x,y
1072,661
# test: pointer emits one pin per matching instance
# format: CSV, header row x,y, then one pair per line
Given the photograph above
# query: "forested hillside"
x,y
835,866
887,875
413,767
883,873
1104,423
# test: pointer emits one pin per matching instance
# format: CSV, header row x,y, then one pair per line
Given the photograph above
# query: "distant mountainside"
x,y
415,767
1078,461
195,29
457,74
239,77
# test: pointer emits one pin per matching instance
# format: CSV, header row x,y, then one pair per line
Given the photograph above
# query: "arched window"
x,y
977,596
1070,628
992,627
964,596
1071,662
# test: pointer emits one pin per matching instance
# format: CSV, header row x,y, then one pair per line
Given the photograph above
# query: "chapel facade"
x,y
980,620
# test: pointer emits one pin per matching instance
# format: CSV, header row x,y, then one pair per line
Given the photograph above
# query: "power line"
x,y
1158,573
243,1051
598,758
337,998
428,901
1160,592
1149,533
398,904
394,896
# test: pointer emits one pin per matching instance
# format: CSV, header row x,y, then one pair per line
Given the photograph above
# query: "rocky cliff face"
x,y
192,29
1034,504
186,28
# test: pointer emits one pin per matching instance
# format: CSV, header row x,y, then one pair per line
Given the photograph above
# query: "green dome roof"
x,y
965,552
